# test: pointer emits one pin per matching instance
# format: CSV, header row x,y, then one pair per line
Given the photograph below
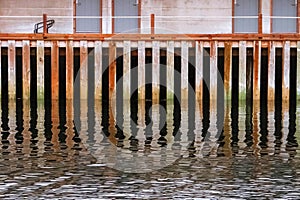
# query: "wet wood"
x,y
298,70
83,70
11,69
40,69
98,70
126,70
227,70
26,69
155,71
54,71
256,70
170,70
112,68
286,71
213,73
199,70
184,70
242,70
69,70
141,70
271,72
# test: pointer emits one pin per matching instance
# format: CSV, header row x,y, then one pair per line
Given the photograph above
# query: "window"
x,y
88,8
244,8
284,8
126,9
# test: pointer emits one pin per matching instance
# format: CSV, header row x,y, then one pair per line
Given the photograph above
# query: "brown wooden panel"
x,y
26,69
54,71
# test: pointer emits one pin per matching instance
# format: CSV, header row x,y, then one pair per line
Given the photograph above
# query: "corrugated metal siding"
x,y
246,8
126,8
284,8
88,8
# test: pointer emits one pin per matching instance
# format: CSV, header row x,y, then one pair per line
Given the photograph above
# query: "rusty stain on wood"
x,y
286,71
155,71
40,69
112,68
69,70
141,69
83,70
271,72
227,69
199,70
11,69
26,69
54,71
98,70
256,70
213,72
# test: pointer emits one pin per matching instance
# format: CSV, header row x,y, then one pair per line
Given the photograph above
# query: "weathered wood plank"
x,y
184,70
242,70
213,73
98,69
286,71
271,72
40,69
227,70
83,70
141,70
256,70
126,70
199,70
170,70
298,70
112,68
54,70
69,70
11,69
155,71
26,69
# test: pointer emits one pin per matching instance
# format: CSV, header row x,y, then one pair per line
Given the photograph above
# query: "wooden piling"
x,y
256,70
141,70
26,69
11,69
286,71
112,68
98,70
184,70
54,70
271,72
170,70
227,70
242,70
155,71
69,70
213,73
298,70
40,69
126,70
199,70
83,70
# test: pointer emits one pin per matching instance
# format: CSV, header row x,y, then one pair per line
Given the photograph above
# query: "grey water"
x,y
146,150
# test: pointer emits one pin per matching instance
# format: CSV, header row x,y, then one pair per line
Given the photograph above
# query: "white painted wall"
x,y
31,8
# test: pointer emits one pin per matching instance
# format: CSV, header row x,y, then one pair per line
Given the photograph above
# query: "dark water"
x,y
55,150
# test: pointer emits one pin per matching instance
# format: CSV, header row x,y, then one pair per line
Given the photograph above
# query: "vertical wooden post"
x,y
152,18
0,72
26,69
213,72
55,123
227,70
256,70
112,68
40,69
69,123
286,71
126,70
11,69
141,69
298,70
271,72
199,70
155,71
83,70
54,70
98,70
184,70
170,70
242,70
69,70
45,30
260,22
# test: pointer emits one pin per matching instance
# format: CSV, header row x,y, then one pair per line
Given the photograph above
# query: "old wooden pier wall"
x,y
250,65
